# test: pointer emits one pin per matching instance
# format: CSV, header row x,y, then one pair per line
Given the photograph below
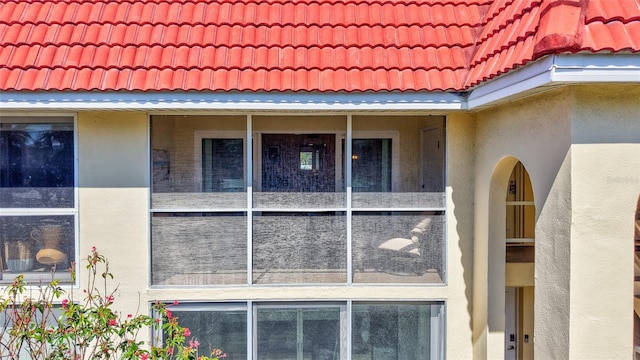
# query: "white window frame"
x,y
35,118
437,320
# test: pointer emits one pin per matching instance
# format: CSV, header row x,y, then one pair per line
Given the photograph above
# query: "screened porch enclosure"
x,y
313,199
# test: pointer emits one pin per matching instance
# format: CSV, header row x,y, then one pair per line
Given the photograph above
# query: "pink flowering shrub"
x,y
52,325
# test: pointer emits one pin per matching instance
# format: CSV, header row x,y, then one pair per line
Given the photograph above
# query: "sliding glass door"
x,y
358,330
297,332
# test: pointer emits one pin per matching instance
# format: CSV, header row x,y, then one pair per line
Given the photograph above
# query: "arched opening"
x,y
520,218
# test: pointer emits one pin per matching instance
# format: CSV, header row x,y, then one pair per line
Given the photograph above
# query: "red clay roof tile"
x,y
307,45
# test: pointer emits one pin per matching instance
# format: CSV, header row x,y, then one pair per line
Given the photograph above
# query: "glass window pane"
x,y
398,162
33,245
298,333
216,329
372,163
223,165
298,162
36,164
198,162
299,248
391,332
398,247
199,248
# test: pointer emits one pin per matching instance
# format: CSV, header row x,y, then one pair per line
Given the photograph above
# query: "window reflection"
x,y
391,331
37,165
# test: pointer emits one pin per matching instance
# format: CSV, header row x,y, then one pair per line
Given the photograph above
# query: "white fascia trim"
x,y
558,70
526,78
603,68
236,101
548,71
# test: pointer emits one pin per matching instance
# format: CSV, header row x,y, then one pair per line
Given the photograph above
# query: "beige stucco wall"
x,y
460,160
537,132
581,147
114,217
113,200
605,187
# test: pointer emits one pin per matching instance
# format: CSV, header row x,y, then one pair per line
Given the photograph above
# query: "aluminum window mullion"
x,y
348,149
348,330
76,198
298,210
417,209
251,331
192,210
37,211
249,208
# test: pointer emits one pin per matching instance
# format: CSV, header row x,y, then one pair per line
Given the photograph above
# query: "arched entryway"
x,y
520,215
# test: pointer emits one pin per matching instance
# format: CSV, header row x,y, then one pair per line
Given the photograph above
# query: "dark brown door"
x,y
298,162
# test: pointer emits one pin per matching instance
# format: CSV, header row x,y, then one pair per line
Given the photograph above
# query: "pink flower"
x,y
194,344
65,303
144,356
129,316
187,332
109,298
175,302
112,322
169,314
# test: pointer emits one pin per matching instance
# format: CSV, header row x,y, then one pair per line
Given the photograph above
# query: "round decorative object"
x,y
50,256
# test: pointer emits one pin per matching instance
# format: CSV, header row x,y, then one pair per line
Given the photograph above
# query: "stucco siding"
x,y
114,208
460,165
113,199
535,131
605,171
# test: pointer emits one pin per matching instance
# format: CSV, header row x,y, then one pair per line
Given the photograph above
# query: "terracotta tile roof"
x,y
303,45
